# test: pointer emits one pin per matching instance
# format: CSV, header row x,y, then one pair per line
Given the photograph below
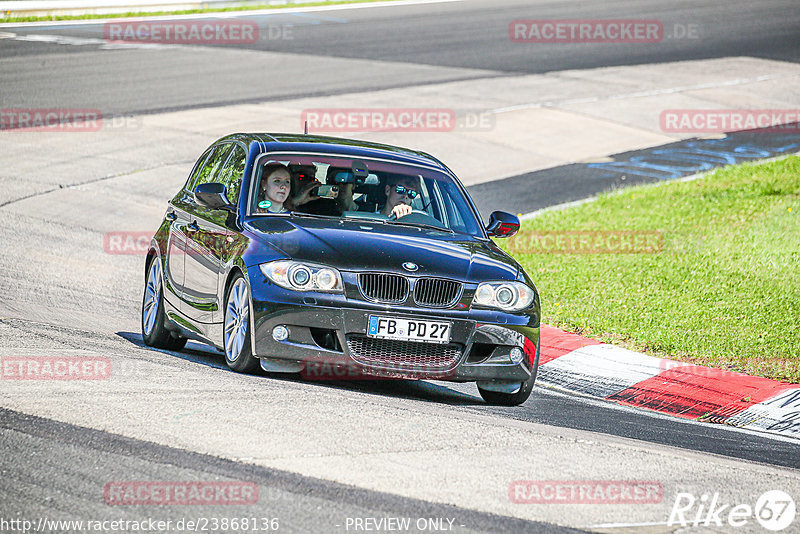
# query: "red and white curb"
x,y
576,363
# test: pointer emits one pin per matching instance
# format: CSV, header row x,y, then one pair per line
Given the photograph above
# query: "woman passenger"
x,y
276,186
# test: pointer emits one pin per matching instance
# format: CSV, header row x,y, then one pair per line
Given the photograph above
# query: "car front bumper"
x,y
332,342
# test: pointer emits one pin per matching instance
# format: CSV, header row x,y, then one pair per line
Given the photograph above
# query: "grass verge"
x,y
720,289
247,7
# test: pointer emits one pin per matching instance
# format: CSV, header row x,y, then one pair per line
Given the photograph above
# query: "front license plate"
x,y
408,329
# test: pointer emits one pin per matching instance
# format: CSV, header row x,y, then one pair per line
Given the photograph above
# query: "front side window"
x,y
343,187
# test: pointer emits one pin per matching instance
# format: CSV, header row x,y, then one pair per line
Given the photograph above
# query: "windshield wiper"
x,y
371,220
422,225
350,218
313,215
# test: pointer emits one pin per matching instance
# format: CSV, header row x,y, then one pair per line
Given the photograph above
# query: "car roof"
x,y
271,142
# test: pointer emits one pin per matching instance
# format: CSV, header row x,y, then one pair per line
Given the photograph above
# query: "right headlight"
x,y
506,296
301,276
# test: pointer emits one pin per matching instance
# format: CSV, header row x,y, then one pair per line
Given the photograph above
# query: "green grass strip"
x,y
716,281
247,7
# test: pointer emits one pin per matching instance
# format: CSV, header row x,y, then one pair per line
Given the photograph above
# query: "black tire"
x,y
238,354
157,335
176,343
514,399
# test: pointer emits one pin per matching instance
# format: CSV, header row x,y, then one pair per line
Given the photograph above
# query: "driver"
x,y
400,191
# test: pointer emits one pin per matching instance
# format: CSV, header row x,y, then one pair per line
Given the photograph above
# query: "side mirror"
x,y
502,224
213,196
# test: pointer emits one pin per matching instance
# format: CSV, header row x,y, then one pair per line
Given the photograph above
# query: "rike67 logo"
x,y
774,510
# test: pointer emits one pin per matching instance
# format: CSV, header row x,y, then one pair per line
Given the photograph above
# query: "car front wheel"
x,y
499,398
236,333
154,332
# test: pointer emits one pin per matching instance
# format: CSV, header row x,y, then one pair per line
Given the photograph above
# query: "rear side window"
x,y
208,172
231,173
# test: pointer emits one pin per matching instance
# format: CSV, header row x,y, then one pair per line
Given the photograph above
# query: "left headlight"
x,y
301,276
507,296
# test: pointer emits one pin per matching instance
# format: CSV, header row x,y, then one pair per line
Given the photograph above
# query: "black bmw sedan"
x,y
284,251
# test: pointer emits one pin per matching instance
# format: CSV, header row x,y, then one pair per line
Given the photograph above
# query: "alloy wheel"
x,y
237,317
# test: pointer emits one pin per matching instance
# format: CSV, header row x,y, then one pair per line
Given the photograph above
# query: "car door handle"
x,y
171,216
193,227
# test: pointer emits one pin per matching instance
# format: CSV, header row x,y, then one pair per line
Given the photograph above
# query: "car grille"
x,y
408,356
389,288
436,292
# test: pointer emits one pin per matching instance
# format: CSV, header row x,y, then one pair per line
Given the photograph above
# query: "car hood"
x,y
370,246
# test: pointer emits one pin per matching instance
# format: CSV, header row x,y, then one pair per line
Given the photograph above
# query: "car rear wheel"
x,y
154,332
513,399
236,332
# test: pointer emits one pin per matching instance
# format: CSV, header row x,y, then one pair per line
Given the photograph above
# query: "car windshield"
x,y
344,187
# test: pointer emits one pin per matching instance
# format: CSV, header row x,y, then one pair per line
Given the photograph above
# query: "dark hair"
x,y
394,179
269,168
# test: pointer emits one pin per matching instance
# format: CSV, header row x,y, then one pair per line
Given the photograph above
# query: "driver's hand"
x,y
401,210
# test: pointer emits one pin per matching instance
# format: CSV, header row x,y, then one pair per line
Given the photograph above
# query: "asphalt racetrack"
x,y
338,456
393,47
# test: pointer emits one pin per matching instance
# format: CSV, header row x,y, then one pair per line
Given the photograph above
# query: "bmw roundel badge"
x,y
409,266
